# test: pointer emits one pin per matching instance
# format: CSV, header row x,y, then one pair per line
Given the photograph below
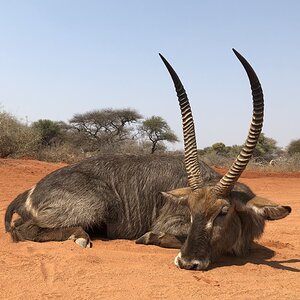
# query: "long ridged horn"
x,y
225,185
190,146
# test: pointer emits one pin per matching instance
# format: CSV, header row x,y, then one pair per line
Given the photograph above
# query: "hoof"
x,y
83,243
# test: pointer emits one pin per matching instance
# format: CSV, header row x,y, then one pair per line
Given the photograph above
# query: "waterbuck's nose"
x,y
191,264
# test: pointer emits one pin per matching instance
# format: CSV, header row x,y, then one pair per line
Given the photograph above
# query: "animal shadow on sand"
x,y
259,255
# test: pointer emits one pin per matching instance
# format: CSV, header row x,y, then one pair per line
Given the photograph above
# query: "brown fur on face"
x,y
222,225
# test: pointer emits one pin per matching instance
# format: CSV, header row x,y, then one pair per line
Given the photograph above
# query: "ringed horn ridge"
x,y
195,180
224,186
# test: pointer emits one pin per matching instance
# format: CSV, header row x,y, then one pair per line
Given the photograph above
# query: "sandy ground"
x,y
122,270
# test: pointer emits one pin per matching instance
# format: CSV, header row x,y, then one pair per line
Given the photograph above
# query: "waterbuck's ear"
x,y
180,196
268,209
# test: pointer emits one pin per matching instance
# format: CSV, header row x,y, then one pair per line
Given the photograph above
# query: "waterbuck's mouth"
x,y
194,264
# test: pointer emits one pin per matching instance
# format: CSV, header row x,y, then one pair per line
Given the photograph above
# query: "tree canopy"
x,y
106,126
157,130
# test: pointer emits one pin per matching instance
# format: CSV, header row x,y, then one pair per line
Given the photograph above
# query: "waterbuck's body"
x,y
159,200
120,194
117,196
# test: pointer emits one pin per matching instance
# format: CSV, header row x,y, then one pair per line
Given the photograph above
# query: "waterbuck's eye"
x,y
224,210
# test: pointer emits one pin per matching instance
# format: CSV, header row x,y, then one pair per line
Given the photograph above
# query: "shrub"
x,y
294,147
48,130
16,138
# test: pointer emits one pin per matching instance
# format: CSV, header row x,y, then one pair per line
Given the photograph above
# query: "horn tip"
x,y
161,56
236,52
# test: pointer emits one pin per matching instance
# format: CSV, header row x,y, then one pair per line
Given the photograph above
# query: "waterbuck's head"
x,y
226,215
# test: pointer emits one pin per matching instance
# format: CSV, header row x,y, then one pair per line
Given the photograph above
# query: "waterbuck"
x,y
160,200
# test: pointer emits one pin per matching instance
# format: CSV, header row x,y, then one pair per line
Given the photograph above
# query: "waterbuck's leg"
x,y
168,231
32,232
161,239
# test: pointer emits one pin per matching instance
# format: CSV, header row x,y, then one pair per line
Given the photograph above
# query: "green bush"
x,y
294,147
48,130
16,139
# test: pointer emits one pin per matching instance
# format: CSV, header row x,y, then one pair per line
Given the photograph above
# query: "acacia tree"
x,y
107,126
157,130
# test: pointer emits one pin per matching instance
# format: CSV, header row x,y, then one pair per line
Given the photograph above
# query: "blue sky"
x,y
62,57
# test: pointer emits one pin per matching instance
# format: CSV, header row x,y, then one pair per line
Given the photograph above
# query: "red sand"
x,y
122,270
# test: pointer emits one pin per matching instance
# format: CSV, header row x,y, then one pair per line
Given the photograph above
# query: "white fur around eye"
x,y
224,210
